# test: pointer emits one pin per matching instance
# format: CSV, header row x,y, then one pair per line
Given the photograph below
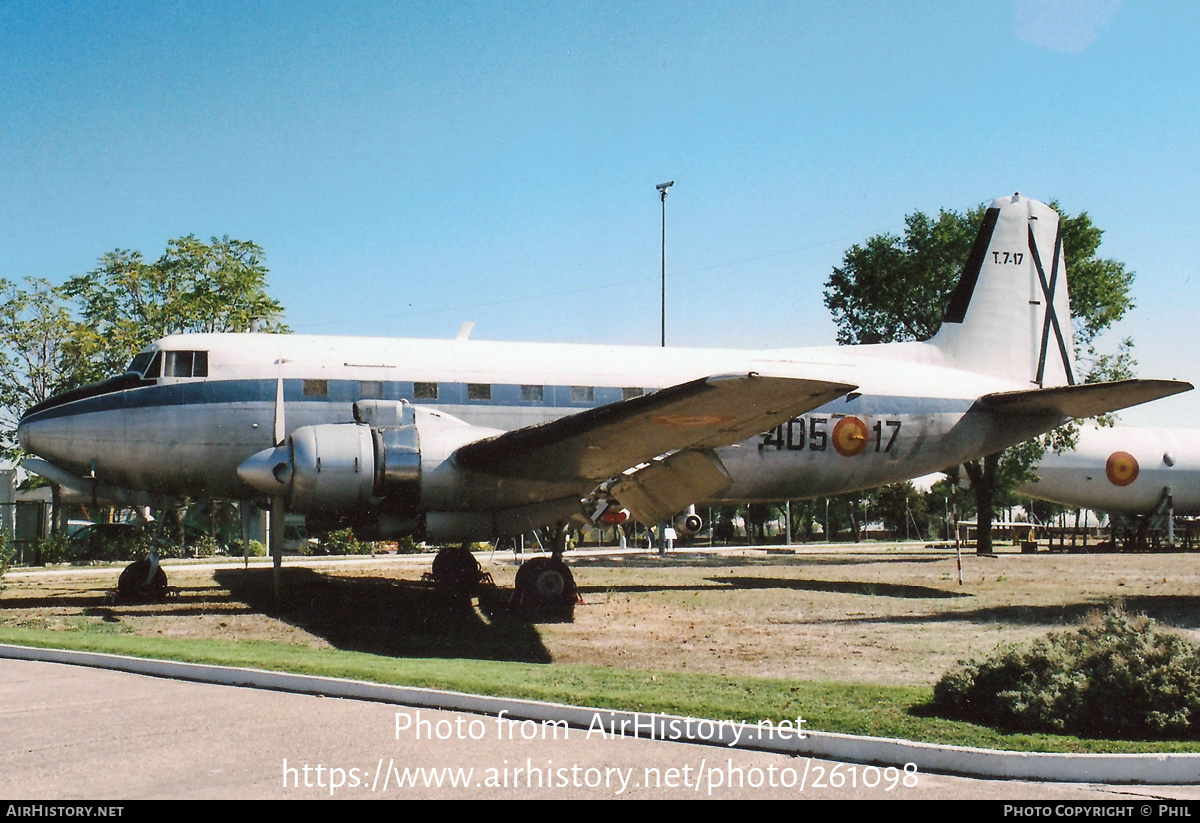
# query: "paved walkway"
x,y
79,733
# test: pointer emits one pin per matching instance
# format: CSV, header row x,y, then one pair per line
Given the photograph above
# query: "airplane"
x,y
1128,471
466,440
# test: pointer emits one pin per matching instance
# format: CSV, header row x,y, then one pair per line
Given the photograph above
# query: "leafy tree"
x,y
900,507
194,287
37,358
894,288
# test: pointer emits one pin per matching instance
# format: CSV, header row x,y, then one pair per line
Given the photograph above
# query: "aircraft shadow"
x,y
683,558
840,587
1179,611
391,617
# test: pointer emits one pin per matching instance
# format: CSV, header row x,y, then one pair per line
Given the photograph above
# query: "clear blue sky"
x,y
408,166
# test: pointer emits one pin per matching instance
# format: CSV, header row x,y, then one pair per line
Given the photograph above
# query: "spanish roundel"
x,y
849,436
1121,468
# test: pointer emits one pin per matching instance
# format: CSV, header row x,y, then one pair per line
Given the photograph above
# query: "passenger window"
x,y
629,394
533,394
425,391
316,388
479,391
582,394
370,389
200,364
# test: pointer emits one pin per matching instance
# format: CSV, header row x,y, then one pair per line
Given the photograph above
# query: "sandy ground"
x,y
879,614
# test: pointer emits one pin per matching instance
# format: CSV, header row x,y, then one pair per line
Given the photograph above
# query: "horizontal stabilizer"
x,y
600,443
1085,400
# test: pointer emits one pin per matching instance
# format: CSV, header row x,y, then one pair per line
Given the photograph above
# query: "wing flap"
x,y
1083,400
602,442
660,490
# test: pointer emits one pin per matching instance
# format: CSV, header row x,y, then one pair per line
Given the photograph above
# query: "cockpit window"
x,y
185,364
139,362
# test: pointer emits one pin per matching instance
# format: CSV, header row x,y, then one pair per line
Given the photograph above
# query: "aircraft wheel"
x,y
544,581
456,567
132,585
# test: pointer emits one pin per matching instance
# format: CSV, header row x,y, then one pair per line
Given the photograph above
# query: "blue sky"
x,y
410,166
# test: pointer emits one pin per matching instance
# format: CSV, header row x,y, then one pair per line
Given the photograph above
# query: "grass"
x,y
849,708
852,639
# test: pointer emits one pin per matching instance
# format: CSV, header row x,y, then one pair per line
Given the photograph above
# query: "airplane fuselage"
x,y
186,435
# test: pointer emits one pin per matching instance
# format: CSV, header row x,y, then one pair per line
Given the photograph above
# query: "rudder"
x,y
1010,315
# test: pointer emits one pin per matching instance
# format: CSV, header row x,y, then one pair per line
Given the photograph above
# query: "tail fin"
x,y
1010,315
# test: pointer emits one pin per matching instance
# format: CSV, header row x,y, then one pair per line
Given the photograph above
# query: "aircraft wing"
x,y
600,443
1084,400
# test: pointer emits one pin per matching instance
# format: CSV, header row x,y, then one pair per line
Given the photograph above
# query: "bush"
x,y
343,541
54,548
205,546
1117,676
7,553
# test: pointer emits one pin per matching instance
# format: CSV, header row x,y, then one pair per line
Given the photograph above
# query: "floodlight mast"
x,y
662,196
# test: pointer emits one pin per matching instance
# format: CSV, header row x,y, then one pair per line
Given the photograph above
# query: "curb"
x,y
1159,769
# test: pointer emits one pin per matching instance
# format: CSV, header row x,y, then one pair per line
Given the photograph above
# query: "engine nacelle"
x,y
370,475
689,523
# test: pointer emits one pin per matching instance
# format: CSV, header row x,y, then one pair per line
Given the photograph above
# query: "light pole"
x,y
662,196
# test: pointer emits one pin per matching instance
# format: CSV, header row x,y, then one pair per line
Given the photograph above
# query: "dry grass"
x,y
883,615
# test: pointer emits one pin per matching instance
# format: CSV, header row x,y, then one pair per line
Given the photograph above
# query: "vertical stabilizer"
x,y
1010,315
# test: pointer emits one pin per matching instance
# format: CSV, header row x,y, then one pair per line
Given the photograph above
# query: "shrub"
x,y
343,541
54,548
7,553
206,546
1116,676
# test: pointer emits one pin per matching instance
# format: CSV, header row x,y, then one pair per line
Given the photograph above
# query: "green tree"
x,y
901,509
37,358
194,287
895,288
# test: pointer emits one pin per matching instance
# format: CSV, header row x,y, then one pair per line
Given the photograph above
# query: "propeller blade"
x,y
280,430
278,513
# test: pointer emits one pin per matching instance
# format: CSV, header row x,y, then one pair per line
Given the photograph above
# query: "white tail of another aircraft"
x,y
1010,315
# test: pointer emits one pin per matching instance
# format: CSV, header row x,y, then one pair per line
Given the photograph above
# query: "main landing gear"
x,y
455,568
142,581
545,583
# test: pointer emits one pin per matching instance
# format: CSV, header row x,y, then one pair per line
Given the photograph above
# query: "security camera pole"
x,y
662,196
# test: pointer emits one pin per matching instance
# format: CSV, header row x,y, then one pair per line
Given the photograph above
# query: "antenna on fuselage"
x,y
464,331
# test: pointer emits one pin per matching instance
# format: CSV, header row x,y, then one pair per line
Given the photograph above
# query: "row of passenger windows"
x,y
373,389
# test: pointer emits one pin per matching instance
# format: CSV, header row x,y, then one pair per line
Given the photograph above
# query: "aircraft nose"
x,y
27,435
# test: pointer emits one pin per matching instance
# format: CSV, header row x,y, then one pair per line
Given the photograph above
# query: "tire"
x,y
456,567
546,582
132,585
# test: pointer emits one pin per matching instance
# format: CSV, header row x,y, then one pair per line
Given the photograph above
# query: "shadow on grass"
x,y
650,560
841,587
1172,610
391,617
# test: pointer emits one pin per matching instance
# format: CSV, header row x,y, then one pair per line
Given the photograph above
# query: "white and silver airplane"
x,y
1126,470
461,440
